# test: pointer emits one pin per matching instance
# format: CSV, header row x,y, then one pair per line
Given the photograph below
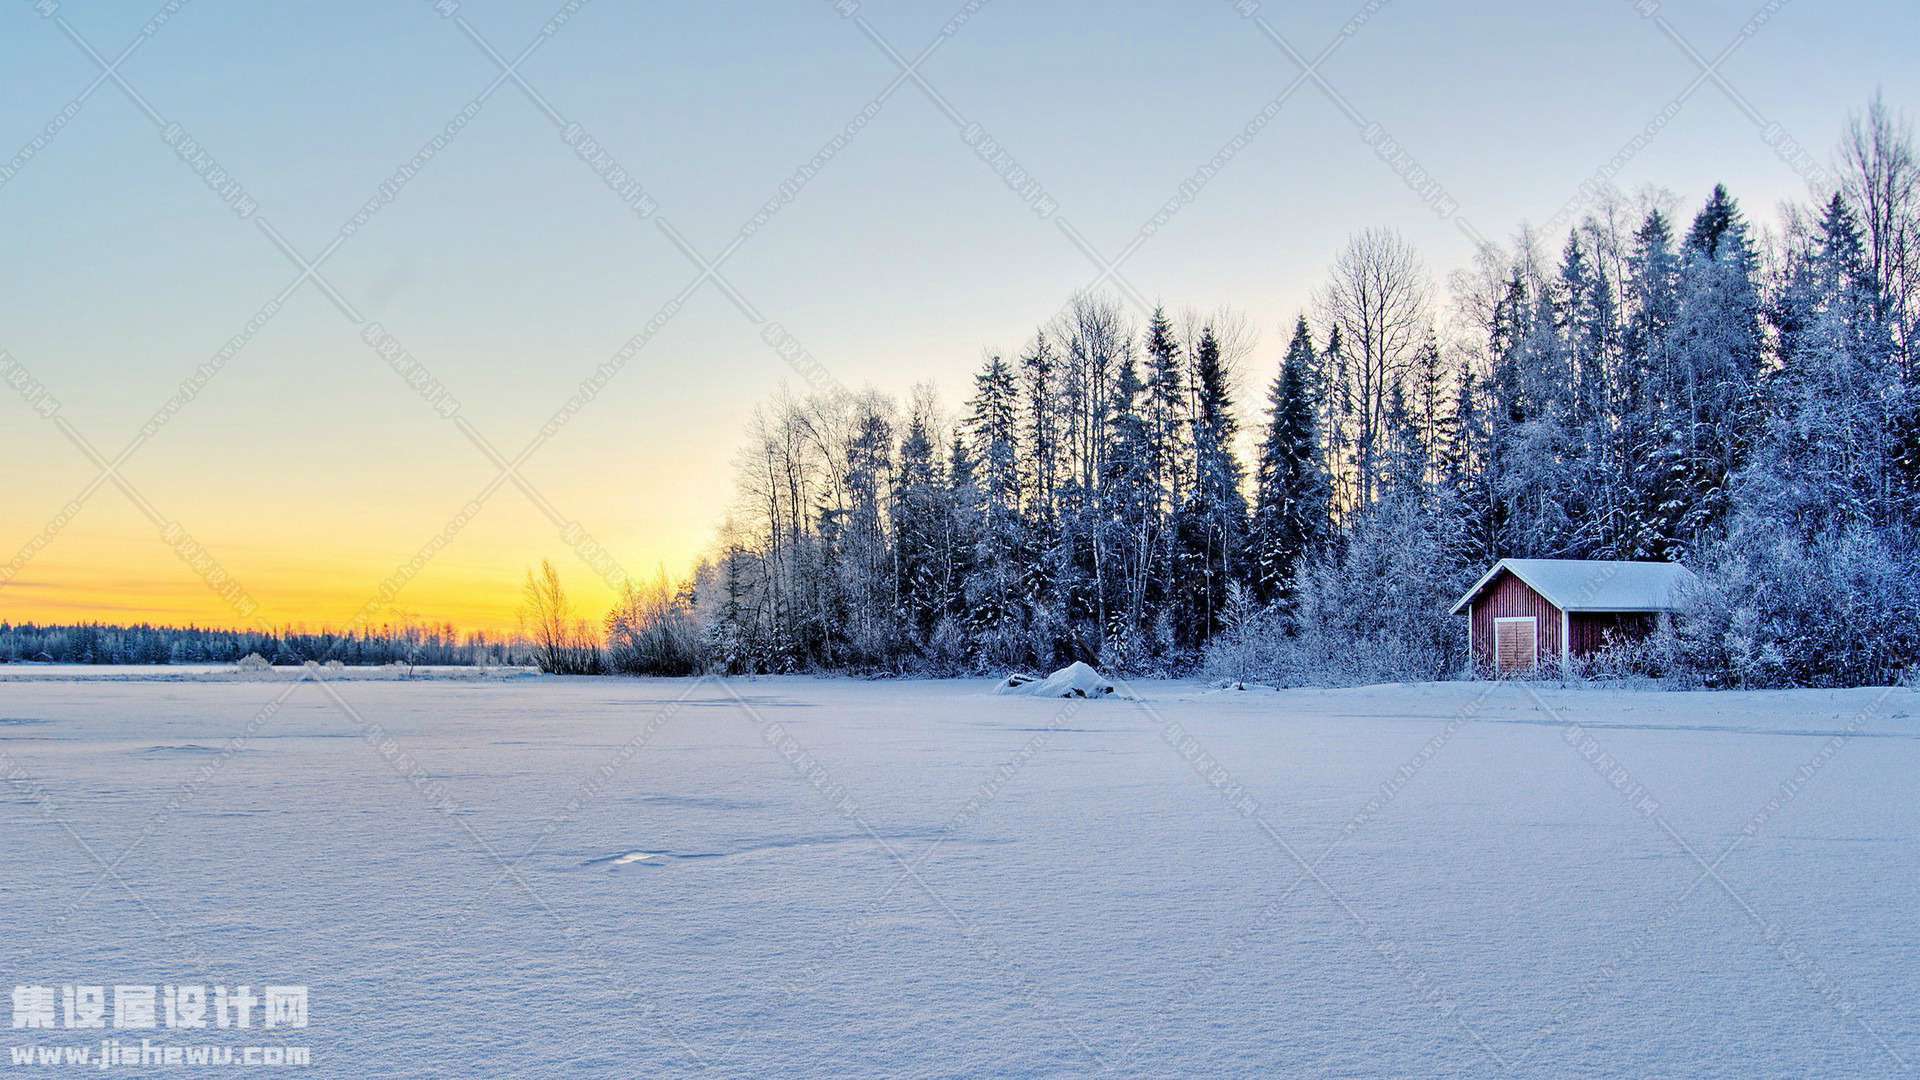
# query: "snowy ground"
x,y
621,877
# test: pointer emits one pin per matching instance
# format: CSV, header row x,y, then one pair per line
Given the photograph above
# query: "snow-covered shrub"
x,y
947,647
1133,653
1772,610
1375,608
653,631
1253,643
1633,661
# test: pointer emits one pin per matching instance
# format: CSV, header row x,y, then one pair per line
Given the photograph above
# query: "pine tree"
x,y
1039,369
994,588
917,526
958,546
1290,519
1403,460
1334,394
1164,408
1710,394
1827,457
869,597
1213,518
1130,525
1638,447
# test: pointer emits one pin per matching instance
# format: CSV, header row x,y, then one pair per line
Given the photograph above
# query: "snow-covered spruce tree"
x,y
1634,524
721,605
1048,575
1403,456
1427,397
993,591
1370,606
1290,517
1826,456
869,599
1709,393
918,510
1129,527
1508,410
1039,378
1335,395
1818,581
1464,475
1537,479
951,645
1212,527
1590,335
1163,409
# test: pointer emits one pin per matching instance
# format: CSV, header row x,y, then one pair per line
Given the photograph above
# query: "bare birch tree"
x,y
1377,297
1881,178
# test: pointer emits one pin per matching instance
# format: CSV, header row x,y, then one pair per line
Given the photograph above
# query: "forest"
x,y
1669,380
1666,381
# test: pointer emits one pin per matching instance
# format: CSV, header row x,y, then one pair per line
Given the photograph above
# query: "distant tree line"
x,y
1746,401
99,643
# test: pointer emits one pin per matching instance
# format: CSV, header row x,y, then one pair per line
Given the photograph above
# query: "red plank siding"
x,y
1591,629
1507,597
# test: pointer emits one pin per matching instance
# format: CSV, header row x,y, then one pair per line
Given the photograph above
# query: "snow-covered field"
x,y
561,877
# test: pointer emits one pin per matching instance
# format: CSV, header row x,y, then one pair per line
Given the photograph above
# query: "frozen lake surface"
x,y
562,877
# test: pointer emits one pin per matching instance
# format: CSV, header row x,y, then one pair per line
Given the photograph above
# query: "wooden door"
x,y
1516,643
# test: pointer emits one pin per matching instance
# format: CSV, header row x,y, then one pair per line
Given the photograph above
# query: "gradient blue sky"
x,y
511,271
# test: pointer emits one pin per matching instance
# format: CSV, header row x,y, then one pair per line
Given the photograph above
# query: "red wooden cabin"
x,y
1526,612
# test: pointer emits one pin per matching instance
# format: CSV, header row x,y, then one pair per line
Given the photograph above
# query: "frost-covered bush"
x,y
1772,610
652,631
1253,644
1142,655
947,651
1372,609
1634,661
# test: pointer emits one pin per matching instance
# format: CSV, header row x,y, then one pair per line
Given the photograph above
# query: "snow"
x,y
833,877
1593,584
1076,680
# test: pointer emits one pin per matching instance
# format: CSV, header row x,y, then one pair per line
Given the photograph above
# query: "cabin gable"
x,y
1507,597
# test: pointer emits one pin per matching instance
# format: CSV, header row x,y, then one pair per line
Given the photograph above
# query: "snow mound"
x,y
1236,686
1074,680
254,662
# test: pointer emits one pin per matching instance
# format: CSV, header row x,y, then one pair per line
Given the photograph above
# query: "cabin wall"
x,y
1507,597
1590,629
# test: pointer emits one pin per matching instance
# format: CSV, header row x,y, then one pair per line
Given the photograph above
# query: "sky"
x,y
516,200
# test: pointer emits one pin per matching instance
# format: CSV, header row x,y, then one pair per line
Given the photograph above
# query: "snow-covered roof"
x,y
1592,584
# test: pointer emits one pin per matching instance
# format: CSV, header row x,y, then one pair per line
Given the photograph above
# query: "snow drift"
x,y
1074,680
